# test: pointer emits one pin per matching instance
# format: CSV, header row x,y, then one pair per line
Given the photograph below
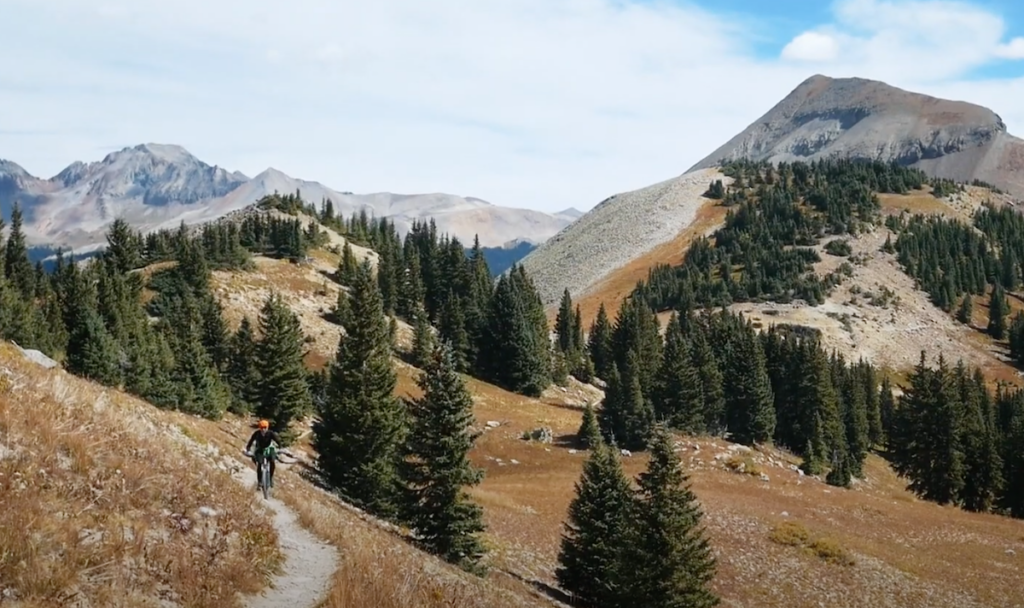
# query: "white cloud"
x,y
812,46
1014,49
537,103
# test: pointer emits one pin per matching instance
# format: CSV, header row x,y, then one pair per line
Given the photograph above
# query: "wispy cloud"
x,y
539,103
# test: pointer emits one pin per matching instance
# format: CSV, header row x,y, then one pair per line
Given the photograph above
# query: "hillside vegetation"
x,y
429,404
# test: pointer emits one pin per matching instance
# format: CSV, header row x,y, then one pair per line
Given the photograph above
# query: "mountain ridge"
x,y
870,119
821,117
157,186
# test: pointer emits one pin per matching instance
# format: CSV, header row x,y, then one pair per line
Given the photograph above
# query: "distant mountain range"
x,y
155,186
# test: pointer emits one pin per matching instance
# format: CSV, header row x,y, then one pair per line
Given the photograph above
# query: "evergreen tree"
x,y
348,266
452,328
243,374
283,394
998,308
600,344
672,560
983,475
362,424
966,310
436,467
513,354
712,386
589,433
565,323
17,266
749,403
626,415
887,410
423,340
590,559
679,398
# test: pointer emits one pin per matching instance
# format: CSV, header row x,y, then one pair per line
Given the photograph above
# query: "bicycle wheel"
x,y
265,475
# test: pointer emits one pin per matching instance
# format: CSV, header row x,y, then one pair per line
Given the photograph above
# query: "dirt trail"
x,y
309,563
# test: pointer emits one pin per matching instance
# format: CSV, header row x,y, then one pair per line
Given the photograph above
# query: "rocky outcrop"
x,y
860,118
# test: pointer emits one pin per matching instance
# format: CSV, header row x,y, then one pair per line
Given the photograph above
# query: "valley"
x,y
771,316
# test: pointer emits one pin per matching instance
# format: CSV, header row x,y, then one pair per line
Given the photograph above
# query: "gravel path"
x,y
309,563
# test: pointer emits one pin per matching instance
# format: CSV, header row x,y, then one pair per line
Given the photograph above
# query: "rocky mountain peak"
x,y
862,118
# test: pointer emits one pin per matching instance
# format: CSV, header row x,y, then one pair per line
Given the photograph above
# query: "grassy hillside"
x,y
107,503
781,538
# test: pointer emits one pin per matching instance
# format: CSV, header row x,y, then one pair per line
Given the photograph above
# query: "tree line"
x,y
165,339
777,214
954,261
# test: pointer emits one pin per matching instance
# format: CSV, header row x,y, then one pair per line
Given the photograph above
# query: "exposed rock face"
x,y
616,232
859,118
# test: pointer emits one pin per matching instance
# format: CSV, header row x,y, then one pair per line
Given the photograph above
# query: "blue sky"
x,y
529,103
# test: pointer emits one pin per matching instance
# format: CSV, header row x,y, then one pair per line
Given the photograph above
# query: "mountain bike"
x,y
264,468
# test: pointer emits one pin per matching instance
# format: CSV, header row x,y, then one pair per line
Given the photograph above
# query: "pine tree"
x,y
679,399
711,383
452,328
600,344
590,565
589,433
983,476
966,310
998,307
565,323
436,468
513,354
826,437
749,403
423,339
362,424
672,560
626,416
886,408
283,394
348,266
17,266
243,374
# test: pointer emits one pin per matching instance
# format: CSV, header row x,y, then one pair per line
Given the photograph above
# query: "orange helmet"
x,y
264,424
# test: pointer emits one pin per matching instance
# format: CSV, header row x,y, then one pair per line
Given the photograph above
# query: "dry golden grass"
x,y
378,566
794,534
102,508
919,201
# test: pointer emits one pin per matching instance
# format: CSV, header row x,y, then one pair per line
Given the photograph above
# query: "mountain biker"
x,y
262,437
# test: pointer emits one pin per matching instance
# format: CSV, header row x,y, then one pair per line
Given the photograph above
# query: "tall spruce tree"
x,y
679,398
673,565
749,403
436,467
362,424
243,374
590,559
998,307
589,433
600,344
283,393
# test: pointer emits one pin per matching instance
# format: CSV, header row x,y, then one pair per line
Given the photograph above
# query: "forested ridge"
x,y
161,334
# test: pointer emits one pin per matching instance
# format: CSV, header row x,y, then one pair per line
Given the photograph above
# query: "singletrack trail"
x,y
309,563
